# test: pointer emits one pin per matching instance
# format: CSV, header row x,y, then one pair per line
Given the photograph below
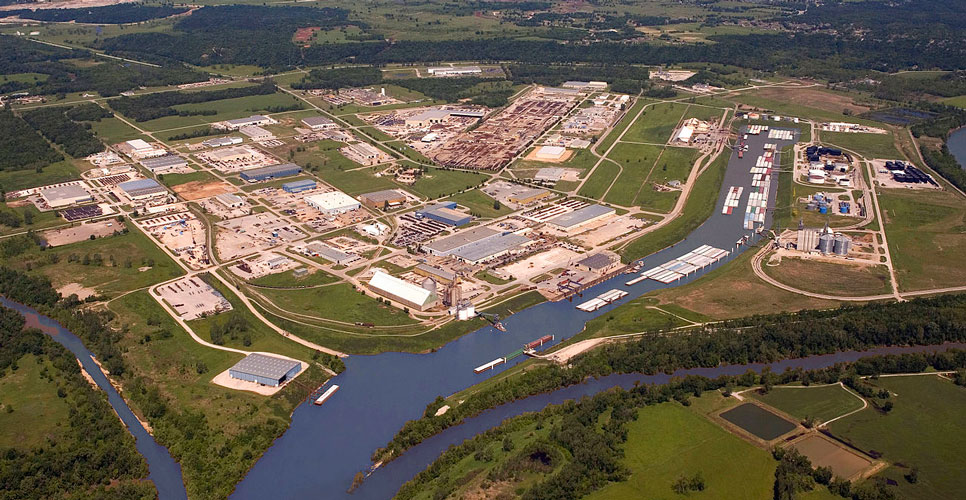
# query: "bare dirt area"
x,y
813,98
81,291
68,235
824,452
563,158
196,190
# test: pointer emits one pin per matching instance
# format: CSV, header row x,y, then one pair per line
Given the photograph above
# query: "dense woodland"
x,y
108,77
758,339
159,104
112,14
95,448
340,78
491,92
585,444
75,139
21,147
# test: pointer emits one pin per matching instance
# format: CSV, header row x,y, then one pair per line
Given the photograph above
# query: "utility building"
x,y
333,202
445,212
62,196
383,199
319,123
141,189
299,186
265,370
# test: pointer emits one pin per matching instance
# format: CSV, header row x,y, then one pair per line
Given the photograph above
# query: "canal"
x,y
957,145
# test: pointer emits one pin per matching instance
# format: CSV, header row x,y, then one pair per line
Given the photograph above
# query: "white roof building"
x,y
684,135
551,152
319,123
401,291
62,196
333,202
257,133
454,70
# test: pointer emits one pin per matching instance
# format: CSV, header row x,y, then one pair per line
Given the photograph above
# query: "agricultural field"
x,y
879,146
923,430
600,180
656,123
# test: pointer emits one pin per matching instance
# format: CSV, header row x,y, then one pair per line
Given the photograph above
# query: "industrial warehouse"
x,y
270,172
403,292
265,370
142,189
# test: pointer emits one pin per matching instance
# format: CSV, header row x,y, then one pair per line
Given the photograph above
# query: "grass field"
x,y
600,180
631,319
479,203
881,146
106,278
325,161
437,183
830,278
926,223
700,205
287,279
113,131
13,180
38,414
668,441
924,430
178,179
226,109
821,403
733,291
958,101
656,123
338,302
620,127
637,161
41,220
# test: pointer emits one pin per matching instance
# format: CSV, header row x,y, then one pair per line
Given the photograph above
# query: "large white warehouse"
x,y
332,203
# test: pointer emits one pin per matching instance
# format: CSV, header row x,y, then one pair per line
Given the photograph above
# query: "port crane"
x,y
493,319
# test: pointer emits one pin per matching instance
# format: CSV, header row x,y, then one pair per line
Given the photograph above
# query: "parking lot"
x,y
192,298
244,235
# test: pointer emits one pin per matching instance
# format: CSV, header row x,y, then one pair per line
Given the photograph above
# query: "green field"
x,y
821,403
479,203
41,220
637,161
620,127
831,278
62,171
37,413
880,146
925,223
287,279
226,109
437,183
958,101
700,205
113,131
178,179
656,124
109,277
669,441
924,430
340,303
325,161
636,317
599,181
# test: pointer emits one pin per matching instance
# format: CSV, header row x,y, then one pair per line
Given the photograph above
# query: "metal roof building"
x,y
271,172
61,196
319,123
490,248
337,257
380,199
298,186
404,292
162,163
142,188
445,213
598,262
441,275
222,141
265,370
230,200
445,246
333,202
580,217
238,123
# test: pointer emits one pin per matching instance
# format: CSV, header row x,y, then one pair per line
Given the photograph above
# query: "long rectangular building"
x,y
446,246
164,163
62,196
577,218
403,292
141,189
271,172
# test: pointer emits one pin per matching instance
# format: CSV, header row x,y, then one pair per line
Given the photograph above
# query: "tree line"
x,y
110,14
757,339
160,104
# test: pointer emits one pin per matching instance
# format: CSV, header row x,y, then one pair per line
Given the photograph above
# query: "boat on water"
x,y
326,395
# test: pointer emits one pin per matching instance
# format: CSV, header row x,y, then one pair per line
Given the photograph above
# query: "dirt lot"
x,y
66,236
824,452
533,157
813,98
196,190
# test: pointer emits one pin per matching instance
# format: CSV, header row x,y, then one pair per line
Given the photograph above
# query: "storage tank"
x,y
826,243
841,245
823,209
429,284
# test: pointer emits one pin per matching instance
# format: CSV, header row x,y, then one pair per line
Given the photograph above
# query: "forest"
x,y
95,448
150,106
623,78
21,147
585,444
110,14
757,339
75,139
490,92
340,78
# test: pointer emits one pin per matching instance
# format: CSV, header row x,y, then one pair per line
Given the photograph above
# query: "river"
x,y
162,469
957,145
